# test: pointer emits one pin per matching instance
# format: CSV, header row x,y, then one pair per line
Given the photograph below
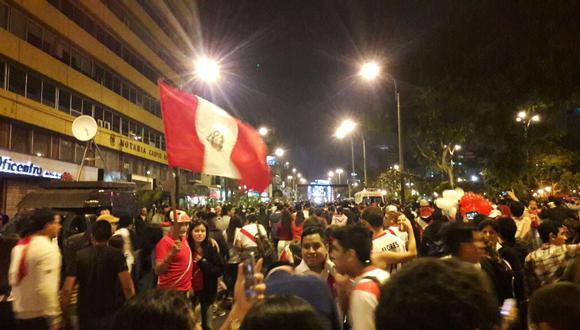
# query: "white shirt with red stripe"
x,y
246,235
365,298
389,241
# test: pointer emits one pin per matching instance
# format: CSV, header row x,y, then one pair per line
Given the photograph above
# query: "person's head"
x,y
218,210
179,224
104,211
252,218
464,242
351,248
314,249
299,218
143,212
517,209
117,242
111,219
373,217
212,218
197,232
284,312
156,309
555,307
533,205
44,222
433,294
551,233
490,231
507,229
102,231
125,221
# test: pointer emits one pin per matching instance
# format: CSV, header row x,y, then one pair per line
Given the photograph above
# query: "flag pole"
x,y
174,193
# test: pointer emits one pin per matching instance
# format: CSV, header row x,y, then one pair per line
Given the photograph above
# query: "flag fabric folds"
x,y
202,137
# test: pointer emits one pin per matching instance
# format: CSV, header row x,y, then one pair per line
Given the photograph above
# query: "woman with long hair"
x,y
297,226
207,267
284,230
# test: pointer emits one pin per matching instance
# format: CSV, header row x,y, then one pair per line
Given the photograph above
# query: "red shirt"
x,y
178,274
296,232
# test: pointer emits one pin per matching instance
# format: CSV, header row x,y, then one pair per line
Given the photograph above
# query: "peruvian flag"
x,y
202,137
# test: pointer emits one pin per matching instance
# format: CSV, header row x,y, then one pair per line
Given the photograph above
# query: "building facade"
x,y
60,59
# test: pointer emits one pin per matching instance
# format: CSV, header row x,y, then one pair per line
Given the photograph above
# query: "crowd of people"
x,y
296,266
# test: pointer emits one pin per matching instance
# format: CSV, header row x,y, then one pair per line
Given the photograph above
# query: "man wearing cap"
x,y
173,260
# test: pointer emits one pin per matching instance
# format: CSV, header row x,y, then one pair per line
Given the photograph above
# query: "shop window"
x,y
76,107
34,34
49,43
67,151
33,87
18,24
64,101
20,139
41,144
48,94
3,15
87,108
17,81
4,133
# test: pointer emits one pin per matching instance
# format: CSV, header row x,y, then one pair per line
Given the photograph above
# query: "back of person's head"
x,y
117,242
374,216
546,228
252,218
282,313
517,209
38,219
226,209
156,309
357,238
102,231
507,229
557,305
488,222
125,221
455,234
311,221
433,294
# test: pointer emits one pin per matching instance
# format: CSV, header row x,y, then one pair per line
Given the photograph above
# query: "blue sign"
x,y
7,165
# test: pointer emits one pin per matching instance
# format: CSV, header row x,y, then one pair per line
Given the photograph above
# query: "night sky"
x,y
291,66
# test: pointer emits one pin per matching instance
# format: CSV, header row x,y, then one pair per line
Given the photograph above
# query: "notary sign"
x,y
7,165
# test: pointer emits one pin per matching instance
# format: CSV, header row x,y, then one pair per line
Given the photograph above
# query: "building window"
x,y
17,80
64,101
3,15
116,85
98,115
48,94
75,59
20,139
116,124
4,133
55,147
76,107
108,81
34,34
99,73
86,66
63,52
2,74
49,43
67,151
124,126
18,24
79,152
87,108
33,87
41,144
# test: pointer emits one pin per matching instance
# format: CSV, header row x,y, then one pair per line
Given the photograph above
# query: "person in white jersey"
x,y
388,250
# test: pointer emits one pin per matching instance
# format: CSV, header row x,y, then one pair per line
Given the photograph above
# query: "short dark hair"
x,y
455,296
455,234
252,218
313,230
117,242
39,218
156,309
125,221
507,229
282,312
517,209
556,304
374,216
546,228
102,231
357,238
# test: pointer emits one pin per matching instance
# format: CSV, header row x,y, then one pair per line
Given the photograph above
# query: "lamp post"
x,y
346,128
527,119
338,172
371,71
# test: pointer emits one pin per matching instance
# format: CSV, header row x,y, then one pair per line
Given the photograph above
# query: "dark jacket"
x,y
212,267
218,236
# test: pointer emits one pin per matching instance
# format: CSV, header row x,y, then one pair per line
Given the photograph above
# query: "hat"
x,y
107,217
423,202
181,216
391,208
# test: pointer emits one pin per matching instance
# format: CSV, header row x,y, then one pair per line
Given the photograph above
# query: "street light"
x,y
279,152
294,170
346,128
330,174
263,131
339,171
371,71
207,70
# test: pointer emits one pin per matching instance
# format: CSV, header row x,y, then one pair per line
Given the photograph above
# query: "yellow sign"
x,y
133,147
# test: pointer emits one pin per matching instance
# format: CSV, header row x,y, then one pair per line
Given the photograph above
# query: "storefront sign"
x,y
137,148
7,165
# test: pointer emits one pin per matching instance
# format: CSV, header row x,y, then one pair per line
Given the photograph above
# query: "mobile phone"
x,y
249,263
470,215
507,306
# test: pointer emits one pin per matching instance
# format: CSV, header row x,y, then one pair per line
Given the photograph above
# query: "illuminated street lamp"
x,y
330,174
346,128
371,71
207,70
279,152
263,131
294,170
339,171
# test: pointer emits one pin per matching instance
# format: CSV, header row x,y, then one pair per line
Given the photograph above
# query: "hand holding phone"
x,y
249,263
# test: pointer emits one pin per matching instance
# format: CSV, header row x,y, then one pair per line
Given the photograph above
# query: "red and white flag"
x,y
202,137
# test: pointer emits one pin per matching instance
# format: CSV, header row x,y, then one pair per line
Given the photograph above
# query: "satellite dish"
x,y
84,128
